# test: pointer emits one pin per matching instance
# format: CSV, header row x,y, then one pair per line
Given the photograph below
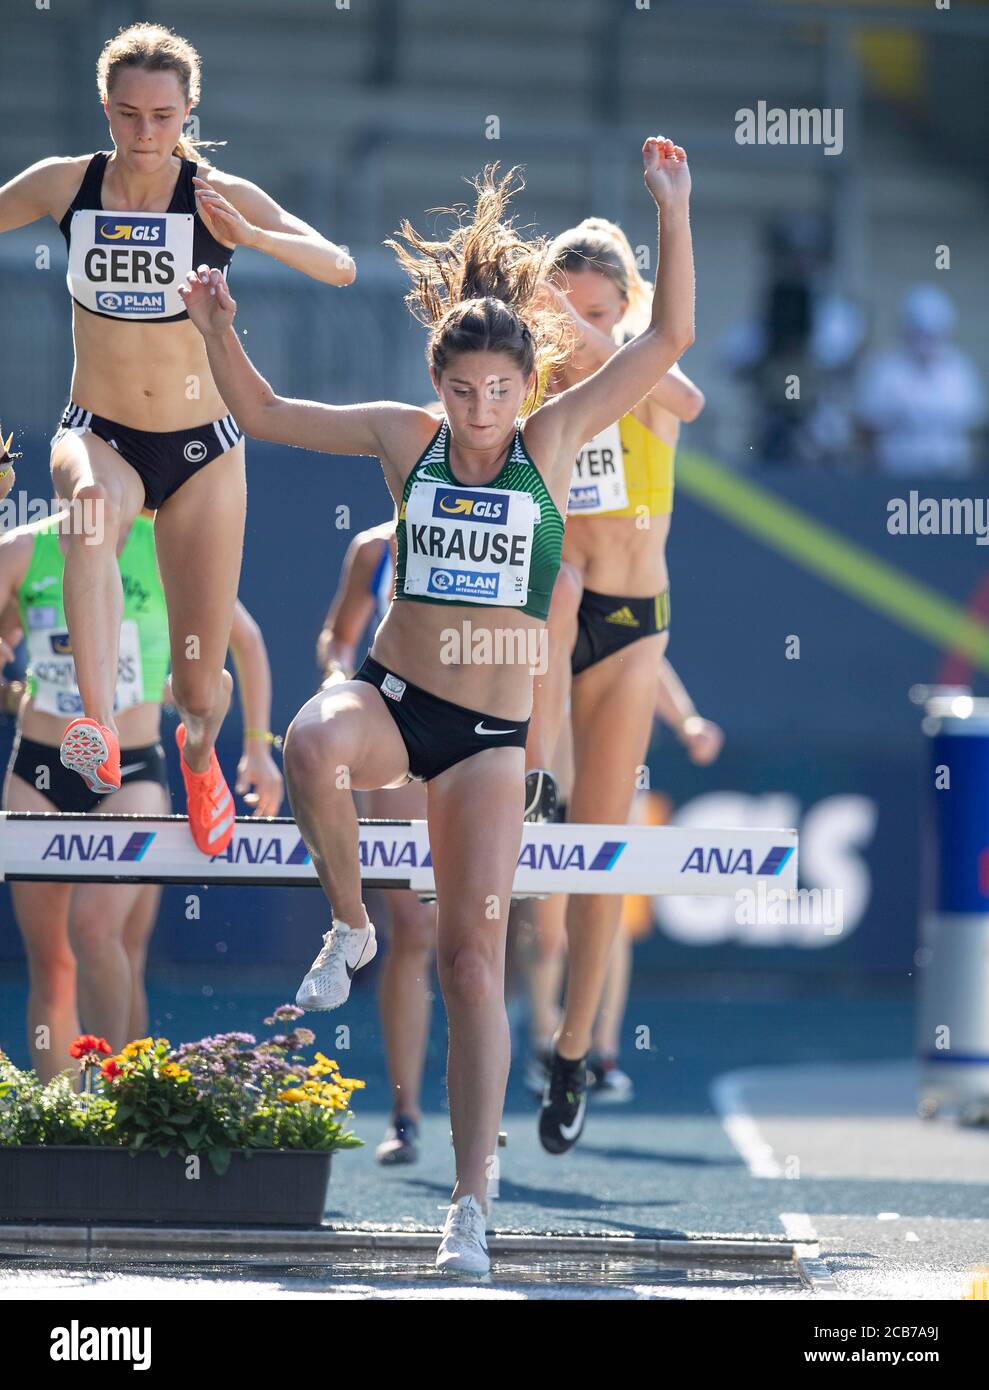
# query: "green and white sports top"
x,y
497,544
144,651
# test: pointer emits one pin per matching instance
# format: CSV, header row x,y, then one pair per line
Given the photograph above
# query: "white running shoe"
x,y
462,1246
345,950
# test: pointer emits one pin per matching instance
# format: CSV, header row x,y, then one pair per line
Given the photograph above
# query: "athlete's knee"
x,y
90,933
314,752
53,976
195,692
469,974
413,930
94,517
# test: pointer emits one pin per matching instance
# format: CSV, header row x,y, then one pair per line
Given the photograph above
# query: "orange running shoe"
x,y
91,749
209,805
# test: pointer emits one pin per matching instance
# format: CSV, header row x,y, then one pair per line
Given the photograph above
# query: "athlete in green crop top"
x,y
86,942
450,543
446,693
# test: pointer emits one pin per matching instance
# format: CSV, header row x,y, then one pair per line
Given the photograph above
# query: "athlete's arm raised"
x,y
583,410
239,213
379,428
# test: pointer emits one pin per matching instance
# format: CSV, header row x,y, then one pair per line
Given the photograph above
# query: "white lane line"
x,y
741,1128
727,1093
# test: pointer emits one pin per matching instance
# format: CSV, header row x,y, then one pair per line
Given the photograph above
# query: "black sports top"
x,y
128,265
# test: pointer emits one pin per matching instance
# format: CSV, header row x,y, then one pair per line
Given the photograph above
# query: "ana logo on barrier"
x,y
726,861
86,849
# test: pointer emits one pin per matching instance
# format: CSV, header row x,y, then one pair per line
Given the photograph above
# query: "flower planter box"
x,y
52,1183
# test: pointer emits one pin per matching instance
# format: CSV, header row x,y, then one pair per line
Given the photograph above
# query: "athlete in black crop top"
x,y
146,425
137,261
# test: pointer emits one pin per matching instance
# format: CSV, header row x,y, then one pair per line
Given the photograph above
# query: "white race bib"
x,y
598,482
129,265
473,545
54,670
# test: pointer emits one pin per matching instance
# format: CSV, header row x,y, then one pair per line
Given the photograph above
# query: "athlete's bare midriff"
x,y
137,726
618,554
624,555
146,376
417,641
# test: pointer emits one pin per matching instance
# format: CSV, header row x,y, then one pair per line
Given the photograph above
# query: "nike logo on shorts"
x,y
480,729
131,767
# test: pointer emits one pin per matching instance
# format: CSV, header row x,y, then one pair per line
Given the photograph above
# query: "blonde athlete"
x,y
609,619
146,425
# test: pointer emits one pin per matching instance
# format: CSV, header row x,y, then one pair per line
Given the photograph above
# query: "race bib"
x,y
598,482
473,545
129,265
54,670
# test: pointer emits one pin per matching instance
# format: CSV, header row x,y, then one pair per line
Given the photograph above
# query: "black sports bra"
x,y
128,265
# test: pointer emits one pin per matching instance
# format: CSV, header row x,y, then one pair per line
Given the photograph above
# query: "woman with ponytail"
x,y
146,426
445,694
609,627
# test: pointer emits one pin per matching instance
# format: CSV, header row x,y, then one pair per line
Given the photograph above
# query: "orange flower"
x,y
110,1070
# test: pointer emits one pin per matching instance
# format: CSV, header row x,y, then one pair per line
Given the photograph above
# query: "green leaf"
x,y
219,1158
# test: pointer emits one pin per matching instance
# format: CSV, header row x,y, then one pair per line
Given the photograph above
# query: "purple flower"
x,y
285,1013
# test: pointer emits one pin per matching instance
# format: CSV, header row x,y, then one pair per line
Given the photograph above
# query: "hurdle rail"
x,y
269,852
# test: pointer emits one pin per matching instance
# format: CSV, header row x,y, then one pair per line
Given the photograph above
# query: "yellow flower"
x,y
177,1073
323,1063
134,1049
351,1083
292,1094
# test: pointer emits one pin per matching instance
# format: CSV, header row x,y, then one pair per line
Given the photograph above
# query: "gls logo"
x,y
493,510
147,230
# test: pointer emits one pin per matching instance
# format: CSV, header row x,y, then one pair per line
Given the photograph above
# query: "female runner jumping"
x,y
480,528
146,425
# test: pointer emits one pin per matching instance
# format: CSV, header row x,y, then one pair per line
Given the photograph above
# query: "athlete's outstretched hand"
x,y
664,169
210,304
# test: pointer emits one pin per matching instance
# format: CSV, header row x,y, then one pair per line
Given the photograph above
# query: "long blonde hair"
x,y
156,49
597,244
481,289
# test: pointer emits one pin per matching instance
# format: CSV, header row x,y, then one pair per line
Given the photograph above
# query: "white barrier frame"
x,y
268,852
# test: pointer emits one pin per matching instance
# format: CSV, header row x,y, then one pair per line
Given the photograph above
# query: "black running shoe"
x,y
561,1119
541,797
401,1143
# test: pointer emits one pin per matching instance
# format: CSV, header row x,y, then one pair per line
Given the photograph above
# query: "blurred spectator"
x,y
804,331
919,403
